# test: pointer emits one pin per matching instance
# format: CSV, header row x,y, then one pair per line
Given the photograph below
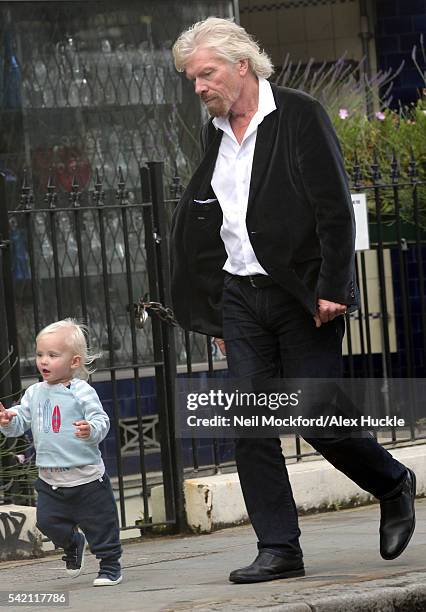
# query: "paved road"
x,y
191,573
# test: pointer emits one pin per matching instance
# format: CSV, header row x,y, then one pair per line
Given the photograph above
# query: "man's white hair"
x,y
75,338
227,39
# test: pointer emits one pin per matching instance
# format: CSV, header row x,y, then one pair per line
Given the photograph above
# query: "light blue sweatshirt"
x,y
50,411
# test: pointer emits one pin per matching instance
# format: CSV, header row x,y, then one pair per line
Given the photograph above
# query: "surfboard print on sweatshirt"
x,y
56,420
47,415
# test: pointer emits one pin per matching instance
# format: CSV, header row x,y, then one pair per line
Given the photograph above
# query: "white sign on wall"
x,y
362,240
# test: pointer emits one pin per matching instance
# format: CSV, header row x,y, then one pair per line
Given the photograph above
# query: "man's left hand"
x,y
220,343
327,311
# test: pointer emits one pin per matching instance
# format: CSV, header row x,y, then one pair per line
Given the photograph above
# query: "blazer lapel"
x,y
266,134
199,185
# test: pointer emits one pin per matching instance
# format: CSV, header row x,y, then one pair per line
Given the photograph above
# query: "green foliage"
x,y
17,467
17,471
396,142
403,133
389,140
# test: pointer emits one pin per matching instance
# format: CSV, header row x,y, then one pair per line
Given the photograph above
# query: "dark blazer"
x,y
299,219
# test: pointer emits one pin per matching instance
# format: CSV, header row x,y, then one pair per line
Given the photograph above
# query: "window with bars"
x,y
92,84
87,85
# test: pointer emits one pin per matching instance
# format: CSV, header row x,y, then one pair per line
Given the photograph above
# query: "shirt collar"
x,y
266,105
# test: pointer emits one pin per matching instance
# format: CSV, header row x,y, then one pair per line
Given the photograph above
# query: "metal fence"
x,y
94,254
65,259
386,337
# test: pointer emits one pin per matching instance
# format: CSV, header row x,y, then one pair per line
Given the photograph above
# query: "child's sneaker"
x,y
104,579
74,556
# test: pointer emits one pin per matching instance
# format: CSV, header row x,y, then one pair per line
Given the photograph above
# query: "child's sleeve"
x,y
93,412
21,422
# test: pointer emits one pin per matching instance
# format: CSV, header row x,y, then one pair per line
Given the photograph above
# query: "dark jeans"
x,y
92,507
268,334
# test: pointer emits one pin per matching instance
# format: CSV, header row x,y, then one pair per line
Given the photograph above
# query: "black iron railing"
x,y
94,254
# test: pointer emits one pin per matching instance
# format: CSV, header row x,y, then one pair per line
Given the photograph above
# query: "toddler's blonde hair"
x,y
76,339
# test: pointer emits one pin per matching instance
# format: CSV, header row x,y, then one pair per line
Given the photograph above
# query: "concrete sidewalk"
x,y
344,572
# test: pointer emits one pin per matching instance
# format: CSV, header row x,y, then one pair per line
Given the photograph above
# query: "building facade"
x,y
383,32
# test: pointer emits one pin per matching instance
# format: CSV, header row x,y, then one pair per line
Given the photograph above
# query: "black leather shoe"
x,y
398,519
267,566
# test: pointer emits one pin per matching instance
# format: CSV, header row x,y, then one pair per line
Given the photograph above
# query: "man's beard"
x,y
217,107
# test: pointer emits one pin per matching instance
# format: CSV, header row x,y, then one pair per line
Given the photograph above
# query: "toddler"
x,y
68,422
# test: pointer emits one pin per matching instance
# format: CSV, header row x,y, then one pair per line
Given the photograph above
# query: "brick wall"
x,y
398,28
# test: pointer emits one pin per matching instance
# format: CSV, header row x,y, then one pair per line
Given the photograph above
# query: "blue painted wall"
x,y
127,408
399,26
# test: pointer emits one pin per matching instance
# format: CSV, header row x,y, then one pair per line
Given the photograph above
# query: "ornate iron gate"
x,y
91,255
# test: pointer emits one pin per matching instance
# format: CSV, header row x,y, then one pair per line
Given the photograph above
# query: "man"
x,y
263,257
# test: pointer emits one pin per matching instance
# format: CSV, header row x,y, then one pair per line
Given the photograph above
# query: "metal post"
x,y
5,349
9,294
163,271
51,199
122,198
158,347
5,385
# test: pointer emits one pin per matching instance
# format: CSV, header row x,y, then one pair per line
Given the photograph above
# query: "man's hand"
x,y
220,343
83,429
6,416
327,311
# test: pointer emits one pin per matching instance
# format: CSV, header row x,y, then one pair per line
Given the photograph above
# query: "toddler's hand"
x,y
83,429
6,415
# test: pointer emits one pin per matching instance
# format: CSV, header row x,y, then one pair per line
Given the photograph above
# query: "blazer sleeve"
x,y
325,182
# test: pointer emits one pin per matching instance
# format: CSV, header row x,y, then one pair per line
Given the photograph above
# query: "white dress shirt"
x,y
231,184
